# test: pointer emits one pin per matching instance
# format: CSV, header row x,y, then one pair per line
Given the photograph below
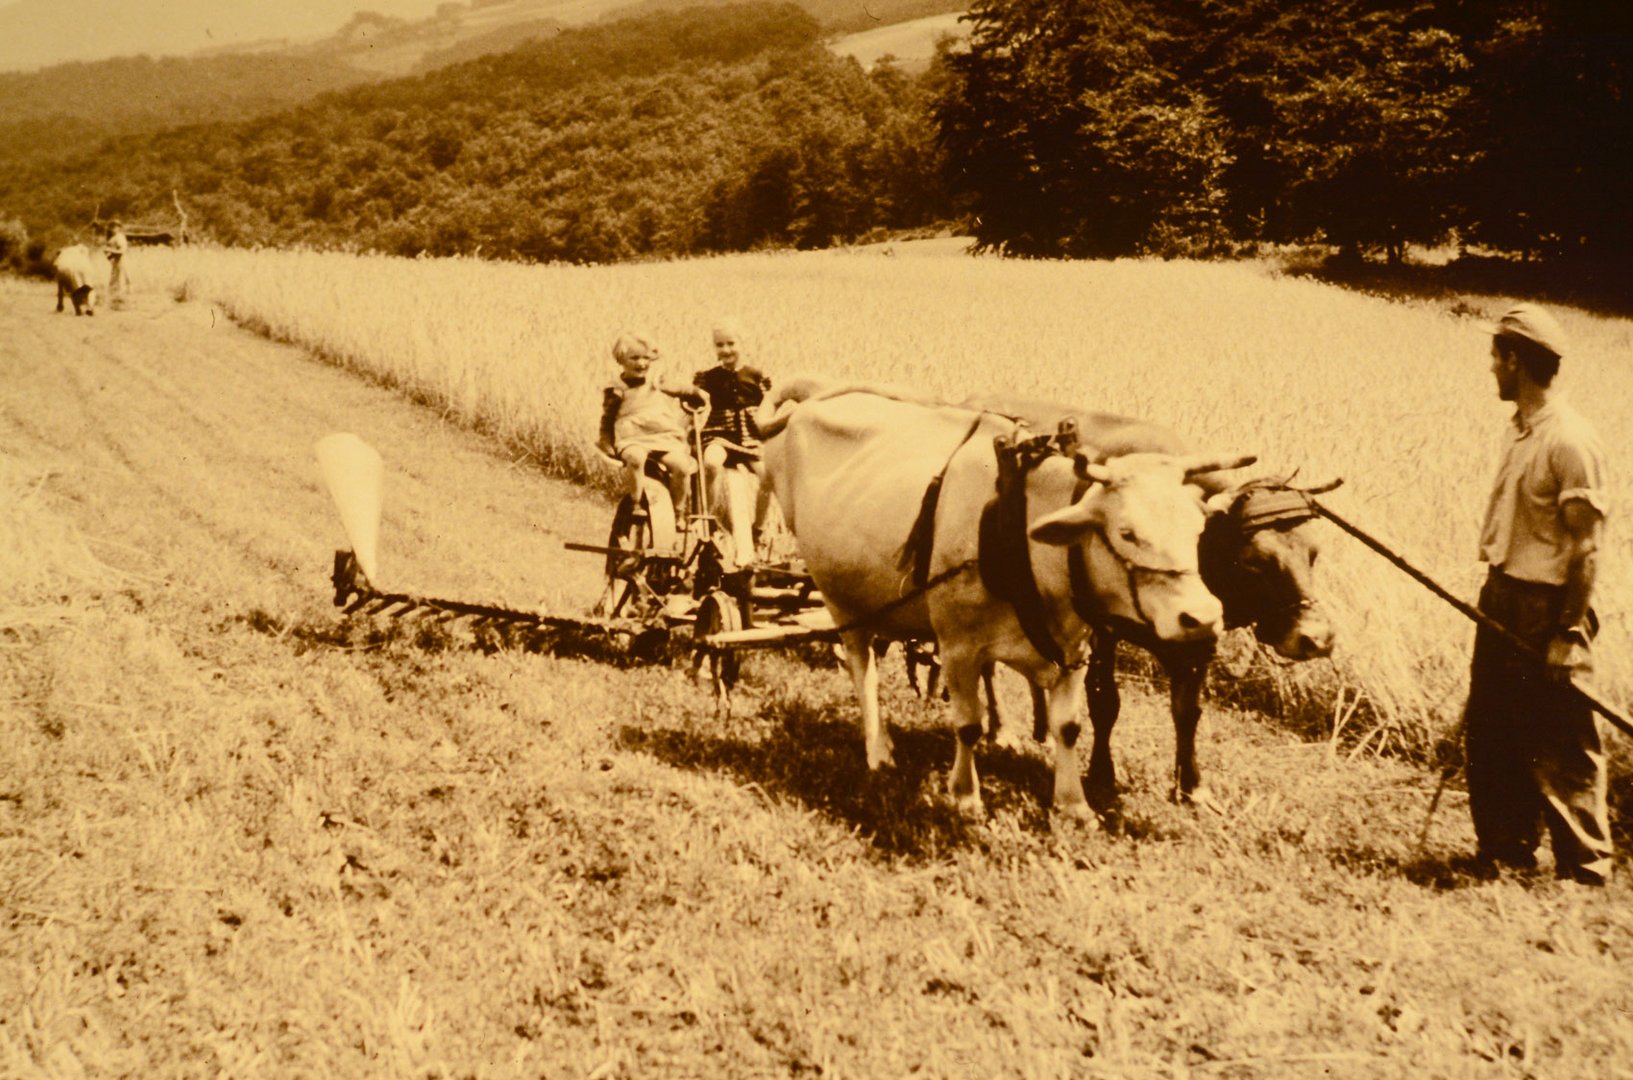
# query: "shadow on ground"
x,y
813,756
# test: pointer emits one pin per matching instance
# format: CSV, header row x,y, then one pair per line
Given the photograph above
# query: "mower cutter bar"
x,y
354,593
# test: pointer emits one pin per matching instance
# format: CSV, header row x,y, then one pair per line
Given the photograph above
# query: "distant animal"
x,y
74,270
1257,554
865,478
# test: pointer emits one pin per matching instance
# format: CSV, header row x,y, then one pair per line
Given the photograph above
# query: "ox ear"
x,y
1197,465
1068,525
1220,503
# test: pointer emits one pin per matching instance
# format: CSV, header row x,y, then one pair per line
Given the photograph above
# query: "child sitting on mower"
x,y
730,436
642,418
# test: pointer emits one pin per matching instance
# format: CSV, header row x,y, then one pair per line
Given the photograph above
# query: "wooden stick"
x,y
1609,712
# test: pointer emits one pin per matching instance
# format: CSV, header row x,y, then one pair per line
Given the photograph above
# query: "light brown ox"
x,y
850,471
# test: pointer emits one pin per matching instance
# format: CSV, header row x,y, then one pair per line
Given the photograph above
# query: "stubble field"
x,y
238,837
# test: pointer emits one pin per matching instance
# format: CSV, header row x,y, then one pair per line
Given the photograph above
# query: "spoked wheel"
x,y
631,536
718,613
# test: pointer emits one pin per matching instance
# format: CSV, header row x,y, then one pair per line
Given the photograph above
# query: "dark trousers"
x,y
1534,749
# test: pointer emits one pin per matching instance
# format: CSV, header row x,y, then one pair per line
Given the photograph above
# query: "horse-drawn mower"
x,y
671,585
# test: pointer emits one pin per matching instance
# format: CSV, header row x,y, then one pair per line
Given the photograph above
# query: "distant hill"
x,y
63,109
458,32
910,45
707,129
59,108
140,91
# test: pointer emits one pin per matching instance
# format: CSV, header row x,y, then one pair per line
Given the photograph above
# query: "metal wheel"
x,y
719,612
631,535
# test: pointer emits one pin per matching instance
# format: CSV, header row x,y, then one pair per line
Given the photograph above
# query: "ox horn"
x,y
1089,469
1322,489
1195,466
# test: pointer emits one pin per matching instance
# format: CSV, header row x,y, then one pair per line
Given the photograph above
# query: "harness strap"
x,y
1085,601
1263,507
1006,551
920,543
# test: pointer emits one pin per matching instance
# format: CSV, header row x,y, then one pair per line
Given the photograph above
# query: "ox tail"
x,y
916,550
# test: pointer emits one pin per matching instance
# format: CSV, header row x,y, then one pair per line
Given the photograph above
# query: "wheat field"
x,y
1394,397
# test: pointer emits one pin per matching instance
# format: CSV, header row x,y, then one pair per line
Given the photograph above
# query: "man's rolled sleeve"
x,y
1579,464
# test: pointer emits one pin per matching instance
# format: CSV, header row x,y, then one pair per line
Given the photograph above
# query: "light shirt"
x,y
1549,459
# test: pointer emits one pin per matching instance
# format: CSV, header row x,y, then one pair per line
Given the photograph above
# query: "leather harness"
x,y
1004,550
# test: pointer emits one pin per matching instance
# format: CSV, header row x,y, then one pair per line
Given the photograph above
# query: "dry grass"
x,y
238,837
1394,397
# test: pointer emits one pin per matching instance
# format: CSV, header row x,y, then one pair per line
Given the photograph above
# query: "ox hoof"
x,y
884,758
970,807
1198,798
1075,813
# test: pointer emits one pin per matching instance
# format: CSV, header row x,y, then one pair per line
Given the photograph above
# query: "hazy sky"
x,y
38,33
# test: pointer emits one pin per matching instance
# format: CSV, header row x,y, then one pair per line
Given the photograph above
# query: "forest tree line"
x,y
1062,128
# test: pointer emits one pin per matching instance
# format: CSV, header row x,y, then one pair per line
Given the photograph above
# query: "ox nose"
x,y
1201,620
1309,640
1311,646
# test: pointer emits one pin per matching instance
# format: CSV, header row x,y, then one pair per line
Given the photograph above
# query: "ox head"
x,y
1139,526
1258,556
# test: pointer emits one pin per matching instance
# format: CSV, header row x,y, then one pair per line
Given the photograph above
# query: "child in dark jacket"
x,y
734,391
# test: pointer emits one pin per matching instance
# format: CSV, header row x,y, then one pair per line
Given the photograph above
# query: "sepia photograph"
x,y
621,539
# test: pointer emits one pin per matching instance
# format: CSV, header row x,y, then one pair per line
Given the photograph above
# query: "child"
x,y
734,392
640,417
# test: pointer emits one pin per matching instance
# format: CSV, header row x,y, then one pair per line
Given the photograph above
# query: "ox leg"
x,y
1187,666
1065,727
864,668
1100,686
60,292
963,677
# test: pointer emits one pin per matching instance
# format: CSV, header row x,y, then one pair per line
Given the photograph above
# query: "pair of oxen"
x,y
897,505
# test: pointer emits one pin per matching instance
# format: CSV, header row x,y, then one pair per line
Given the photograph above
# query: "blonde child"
x,y
641,417
734,391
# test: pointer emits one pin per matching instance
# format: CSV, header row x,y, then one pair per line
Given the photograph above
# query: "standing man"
x,y
114,249
1533,746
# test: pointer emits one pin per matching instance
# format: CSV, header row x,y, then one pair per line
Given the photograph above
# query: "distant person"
x,y
642,418
730,436
114,248
1534,747
73,271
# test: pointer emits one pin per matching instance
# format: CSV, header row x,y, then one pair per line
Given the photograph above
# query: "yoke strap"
x,y
1085,601
1261,506
1005,550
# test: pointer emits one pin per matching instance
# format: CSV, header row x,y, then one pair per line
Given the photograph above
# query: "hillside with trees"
x,y
708,129
69,107
1104,127
1083,128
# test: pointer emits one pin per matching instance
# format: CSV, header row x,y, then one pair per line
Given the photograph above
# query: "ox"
x,y
1257,554
74,270
858,474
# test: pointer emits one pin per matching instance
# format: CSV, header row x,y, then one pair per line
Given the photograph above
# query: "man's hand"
x,y
1567,655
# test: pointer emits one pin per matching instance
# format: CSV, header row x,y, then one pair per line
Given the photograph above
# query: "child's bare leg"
x,y
762,498
634,465
680,468
714,462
